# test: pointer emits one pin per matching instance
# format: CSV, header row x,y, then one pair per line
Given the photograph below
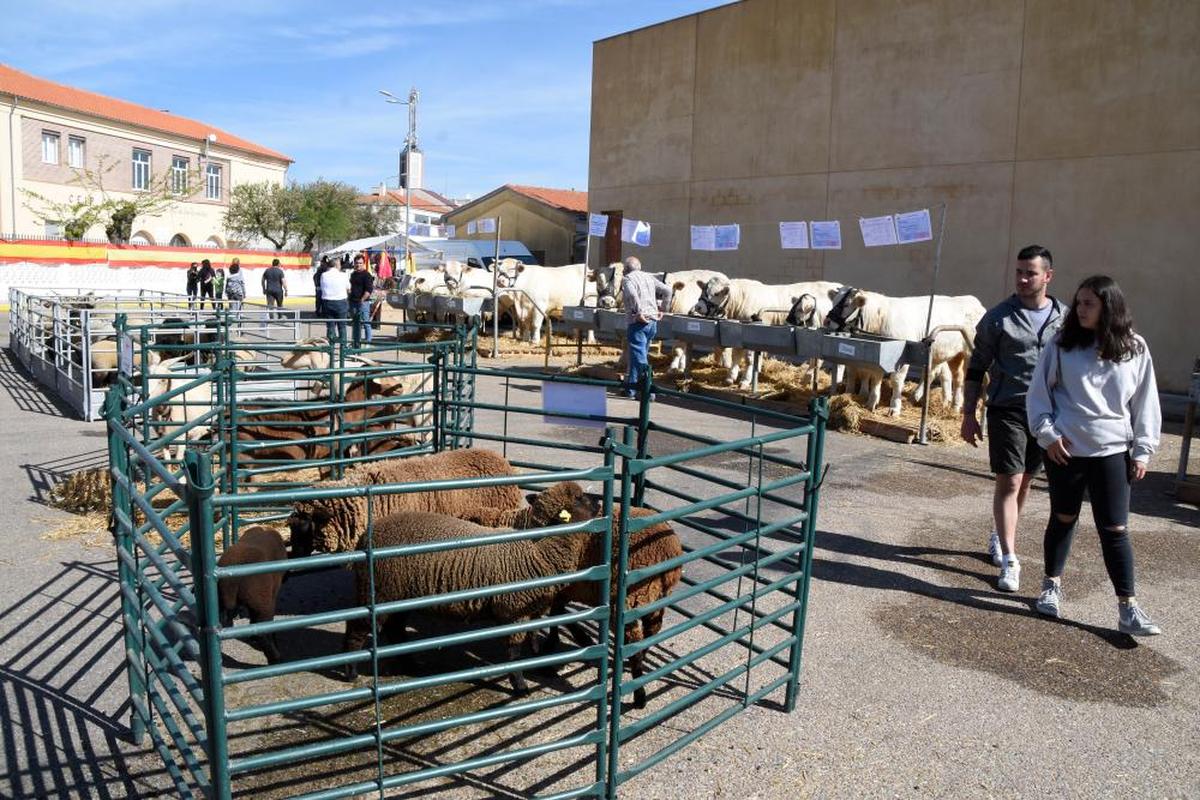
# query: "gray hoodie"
x,y
1102,407
1007,348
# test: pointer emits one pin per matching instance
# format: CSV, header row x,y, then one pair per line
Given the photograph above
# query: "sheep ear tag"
x,y
564,515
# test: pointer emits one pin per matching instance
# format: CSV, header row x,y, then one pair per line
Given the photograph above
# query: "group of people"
x,y
206,283
345,295
1072,388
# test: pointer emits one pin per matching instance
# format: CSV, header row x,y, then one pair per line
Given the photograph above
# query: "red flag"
x,y
385,266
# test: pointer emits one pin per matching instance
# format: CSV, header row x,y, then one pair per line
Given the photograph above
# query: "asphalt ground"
x,y
919,678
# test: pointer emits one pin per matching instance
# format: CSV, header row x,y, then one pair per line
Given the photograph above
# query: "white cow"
x,y
544,292
748,300
904,318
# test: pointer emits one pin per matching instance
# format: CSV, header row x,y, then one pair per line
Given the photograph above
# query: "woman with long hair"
x,y
1093,406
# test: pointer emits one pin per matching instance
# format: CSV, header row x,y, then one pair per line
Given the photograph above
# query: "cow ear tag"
x,y
564,515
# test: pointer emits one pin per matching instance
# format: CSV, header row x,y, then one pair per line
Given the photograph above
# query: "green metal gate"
x,y
732,635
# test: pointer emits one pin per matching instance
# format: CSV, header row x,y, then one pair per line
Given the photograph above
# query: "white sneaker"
x,y
994,549
1050,600
1135,622
1010,576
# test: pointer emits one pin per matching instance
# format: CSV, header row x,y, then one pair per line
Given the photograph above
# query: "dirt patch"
x,y
954,615
929,484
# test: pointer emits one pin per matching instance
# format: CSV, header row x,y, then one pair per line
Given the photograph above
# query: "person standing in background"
x,y
207,276
274,287
362,284
1008,341
219,288
640,292
335,303
1093,406
322,268
235,287
193,284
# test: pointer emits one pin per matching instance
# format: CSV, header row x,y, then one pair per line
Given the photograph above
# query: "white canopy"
x,y
374,242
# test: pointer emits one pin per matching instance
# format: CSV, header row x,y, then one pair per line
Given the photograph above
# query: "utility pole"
x,y
410,143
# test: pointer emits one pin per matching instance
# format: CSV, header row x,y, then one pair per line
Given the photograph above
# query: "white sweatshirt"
x,y
1101,407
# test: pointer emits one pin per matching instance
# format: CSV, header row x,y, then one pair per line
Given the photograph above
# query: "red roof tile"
x,y
567,199
29,87
423,199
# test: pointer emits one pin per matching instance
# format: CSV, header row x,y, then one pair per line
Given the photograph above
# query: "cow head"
x,y
804,312
608,283
846,314
714,298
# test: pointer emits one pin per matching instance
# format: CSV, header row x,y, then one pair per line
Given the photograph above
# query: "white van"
x,y
472,252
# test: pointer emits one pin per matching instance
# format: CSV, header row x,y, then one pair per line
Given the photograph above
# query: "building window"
x,y
179,240
212,182
54,230
179,175
141,169
49,147
76,151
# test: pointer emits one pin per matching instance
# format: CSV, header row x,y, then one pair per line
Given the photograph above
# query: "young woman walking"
x,y
1093,406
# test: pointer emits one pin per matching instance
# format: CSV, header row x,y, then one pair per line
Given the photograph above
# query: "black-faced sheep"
x,y
335,525
253,595
647,547
437,573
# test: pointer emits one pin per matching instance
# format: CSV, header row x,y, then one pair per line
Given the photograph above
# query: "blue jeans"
x,y
335,311
639,335
362,319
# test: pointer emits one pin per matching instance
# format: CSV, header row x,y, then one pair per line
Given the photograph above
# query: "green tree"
x,y
301,215
264,210
375,219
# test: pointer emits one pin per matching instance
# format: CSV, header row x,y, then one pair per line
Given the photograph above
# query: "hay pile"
x,y
83,492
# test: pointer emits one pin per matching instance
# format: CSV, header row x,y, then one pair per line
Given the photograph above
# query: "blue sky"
x,y
505,84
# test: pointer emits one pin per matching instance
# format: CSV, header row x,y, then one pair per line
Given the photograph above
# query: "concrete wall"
x,y
1070,123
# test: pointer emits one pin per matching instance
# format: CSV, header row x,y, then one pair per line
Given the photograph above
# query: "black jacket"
x,y
362,283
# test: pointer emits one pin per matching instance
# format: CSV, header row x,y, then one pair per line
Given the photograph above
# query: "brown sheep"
x,y
442,572
253,594
652,545
335,525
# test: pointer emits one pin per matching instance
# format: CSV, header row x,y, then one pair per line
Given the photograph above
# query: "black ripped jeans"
x,y
1106,479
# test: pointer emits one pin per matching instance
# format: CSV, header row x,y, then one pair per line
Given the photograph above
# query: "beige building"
x,y
550,222
1074,124
49,132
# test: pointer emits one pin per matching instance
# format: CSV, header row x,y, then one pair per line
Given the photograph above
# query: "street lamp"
x,y
410,142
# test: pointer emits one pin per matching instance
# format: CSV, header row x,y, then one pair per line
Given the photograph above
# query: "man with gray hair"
x,y
639,294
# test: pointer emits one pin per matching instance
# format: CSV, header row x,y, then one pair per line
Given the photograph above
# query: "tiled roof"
x,y
567,199
424,199
30,87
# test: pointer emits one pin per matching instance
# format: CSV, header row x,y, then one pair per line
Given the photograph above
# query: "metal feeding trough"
x,y
694,330
445,305
579,318
774,339
424,302
610,324
807,342
877,352
729,332
396,299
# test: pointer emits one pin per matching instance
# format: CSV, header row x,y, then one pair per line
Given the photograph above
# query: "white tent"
x,y
389,241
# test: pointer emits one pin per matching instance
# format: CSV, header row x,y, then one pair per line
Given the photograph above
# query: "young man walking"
x,y
1008,341
274,286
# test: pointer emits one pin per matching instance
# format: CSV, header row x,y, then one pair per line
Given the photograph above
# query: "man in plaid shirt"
x,y
639,293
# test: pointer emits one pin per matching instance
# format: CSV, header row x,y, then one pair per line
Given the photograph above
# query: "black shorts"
x,y
1012,449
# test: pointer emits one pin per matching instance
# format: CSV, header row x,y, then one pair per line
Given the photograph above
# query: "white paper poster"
x,y
827,235
125,354
914,226
597,224
576,399
471,228
878,231
636,232
487,225
704,237
449,231
728,237
793,235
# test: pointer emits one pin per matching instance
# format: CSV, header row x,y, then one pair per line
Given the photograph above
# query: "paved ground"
x,y
919,678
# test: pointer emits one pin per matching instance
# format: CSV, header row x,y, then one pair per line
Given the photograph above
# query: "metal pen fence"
x,y
727,636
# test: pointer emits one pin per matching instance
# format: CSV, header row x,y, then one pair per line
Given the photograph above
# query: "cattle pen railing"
x,y
226,724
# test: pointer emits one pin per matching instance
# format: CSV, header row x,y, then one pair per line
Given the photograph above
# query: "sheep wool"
x,y
339,522
257,594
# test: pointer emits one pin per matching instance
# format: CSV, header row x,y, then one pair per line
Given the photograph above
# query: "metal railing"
x,y
729,634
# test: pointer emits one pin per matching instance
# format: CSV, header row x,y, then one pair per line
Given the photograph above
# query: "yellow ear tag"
x,y
564,515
